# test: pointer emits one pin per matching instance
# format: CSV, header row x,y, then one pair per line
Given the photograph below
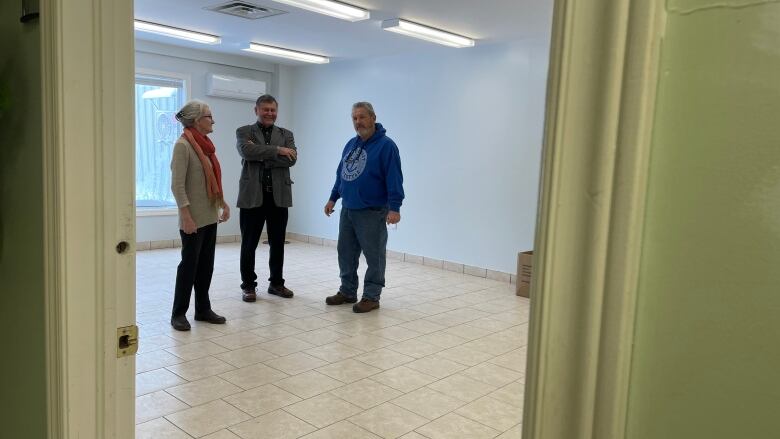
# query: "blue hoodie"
x,y
369,174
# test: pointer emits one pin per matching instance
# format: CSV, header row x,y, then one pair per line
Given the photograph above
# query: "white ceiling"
x,y
487,21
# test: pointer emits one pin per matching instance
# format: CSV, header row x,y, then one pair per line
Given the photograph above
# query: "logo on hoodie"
x,y
354,164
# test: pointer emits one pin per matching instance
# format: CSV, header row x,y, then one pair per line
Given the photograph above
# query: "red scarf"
x,y
208,158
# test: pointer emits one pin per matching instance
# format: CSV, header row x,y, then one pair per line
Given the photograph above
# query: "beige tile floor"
x,y
443,358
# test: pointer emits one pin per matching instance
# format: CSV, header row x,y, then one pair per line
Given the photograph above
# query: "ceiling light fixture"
x,y
330,7
175,32
286,53
415,30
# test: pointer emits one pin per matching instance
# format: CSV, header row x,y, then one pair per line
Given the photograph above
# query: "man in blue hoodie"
x,y
370,184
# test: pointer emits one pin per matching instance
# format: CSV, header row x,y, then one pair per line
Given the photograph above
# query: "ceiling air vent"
x,y
245,9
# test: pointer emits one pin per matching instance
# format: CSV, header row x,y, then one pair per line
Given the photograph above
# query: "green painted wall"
x,y
707,344
22,353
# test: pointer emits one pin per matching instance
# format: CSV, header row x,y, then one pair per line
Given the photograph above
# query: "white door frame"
x,y
601,94
600,101
88,128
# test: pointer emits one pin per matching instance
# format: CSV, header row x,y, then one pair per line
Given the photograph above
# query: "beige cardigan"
x,y
188,184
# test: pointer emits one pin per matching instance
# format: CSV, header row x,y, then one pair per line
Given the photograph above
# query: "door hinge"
x,y
126,341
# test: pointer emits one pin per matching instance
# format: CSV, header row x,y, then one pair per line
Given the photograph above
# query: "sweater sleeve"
x,y
179,163
394,179
334,193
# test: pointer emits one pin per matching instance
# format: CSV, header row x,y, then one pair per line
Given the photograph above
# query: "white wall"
x,y
229,114
468,123
469,127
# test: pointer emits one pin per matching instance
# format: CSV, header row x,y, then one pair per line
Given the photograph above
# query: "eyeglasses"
x,y
209,116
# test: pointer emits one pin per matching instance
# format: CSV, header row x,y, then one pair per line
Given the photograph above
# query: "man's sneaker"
x,y
249,295
365,306
339,299
280,290
211,317
180,323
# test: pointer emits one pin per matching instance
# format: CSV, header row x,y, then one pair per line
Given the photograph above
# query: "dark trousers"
x,y
252,221
195,270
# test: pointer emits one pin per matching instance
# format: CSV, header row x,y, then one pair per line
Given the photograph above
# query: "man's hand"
x,y
225,213
287,152
393,217
329,207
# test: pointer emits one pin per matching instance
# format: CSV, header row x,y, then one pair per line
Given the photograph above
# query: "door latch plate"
x,y
126,341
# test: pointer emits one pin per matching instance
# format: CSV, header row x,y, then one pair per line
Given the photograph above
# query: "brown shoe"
x,y
249,295
365,306
339,299
280,291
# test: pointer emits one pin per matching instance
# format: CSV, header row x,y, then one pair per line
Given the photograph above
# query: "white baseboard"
x,y
176,243
391,254
422,260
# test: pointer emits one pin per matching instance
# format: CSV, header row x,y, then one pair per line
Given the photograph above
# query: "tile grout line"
x,y
442,286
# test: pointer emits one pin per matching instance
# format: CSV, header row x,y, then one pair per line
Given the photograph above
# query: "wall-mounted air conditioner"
x,y
224,86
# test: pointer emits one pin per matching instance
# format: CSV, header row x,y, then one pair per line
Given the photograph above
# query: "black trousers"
x,y
252,221
195,270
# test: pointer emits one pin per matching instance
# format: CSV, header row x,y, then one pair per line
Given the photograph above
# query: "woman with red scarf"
x,y
196,182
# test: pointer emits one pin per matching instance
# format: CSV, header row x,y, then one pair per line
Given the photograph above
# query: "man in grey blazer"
x,y
264,194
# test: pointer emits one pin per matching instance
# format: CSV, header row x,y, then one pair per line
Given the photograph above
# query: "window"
x,y
157,99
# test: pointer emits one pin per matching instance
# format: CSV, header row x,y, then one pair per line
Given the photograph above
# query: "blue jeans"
x,y
362,230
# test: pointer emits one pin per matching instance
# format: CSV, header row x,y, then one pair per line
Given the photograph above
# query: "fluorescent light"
x,y
408,28
286,53
175,32
330,7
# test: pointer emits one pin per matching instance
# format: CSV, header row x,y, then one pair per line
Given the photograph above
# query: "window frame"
x,y
187,88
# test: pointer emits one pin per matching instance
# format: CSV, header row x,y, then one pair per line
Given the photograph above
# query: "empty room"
x,y
444,354
301,218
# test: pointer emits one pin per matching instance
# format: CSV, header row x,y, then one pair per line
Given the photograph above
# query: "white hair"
x,y
190,112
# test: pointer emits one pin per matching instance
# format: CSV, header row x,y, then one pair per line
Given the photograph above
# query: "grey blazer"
x,y
256,155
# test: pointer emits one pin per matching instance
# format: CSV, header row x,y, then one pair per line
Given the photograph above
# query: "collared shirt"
x,y
266,130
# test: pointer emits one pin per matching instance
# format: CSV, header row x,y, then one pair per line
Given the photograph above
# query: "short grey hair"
x,y
366,105
190,112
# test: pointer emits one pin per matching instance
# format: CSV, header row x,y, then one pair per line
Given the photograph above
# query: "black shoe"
x,y
280,290
180,323
211,317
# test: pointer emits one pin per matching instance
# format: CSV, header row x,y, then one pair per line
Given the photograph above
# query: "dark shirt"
x,y
266,177
266,130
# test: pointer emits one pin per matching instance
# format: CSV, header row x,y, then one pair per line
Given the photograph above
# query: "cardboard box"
x,y
525,261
